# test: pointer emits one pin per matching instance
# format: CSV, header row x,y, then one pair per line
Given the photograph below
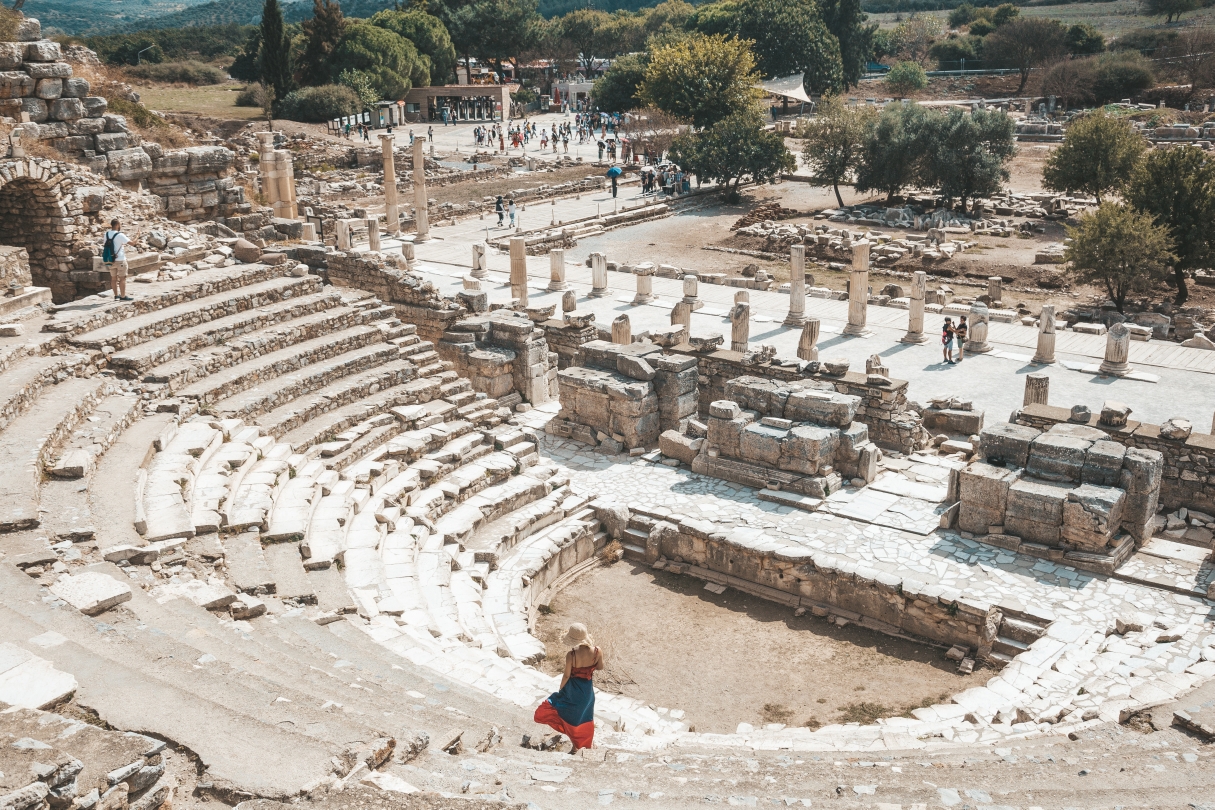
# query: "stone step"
x,y
247,569
1009,646
277,391
96,434
171,475
360,447
114,509
23,381
239,749
216,483
342,391
330,589
176,343
150,325
293,509
1020,630
30,444
91,314
325,427
248,506
292,584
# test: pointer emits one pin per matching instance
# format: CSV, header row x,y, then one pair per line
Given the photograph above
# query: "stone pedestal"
x,y
797,286
976,335
518,269
1117,350
858,291
681,315
995,289
392,212
915,313
691,291
556,270
569,301
1037,389
480,266
599,280
740,326
1045,355
807,347
645,284
622,332
420,200
276,173
341,232
408,253
309,232
373,234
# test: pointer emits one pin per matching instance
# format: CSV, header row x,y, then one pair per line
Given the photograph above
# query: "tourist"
x,y
114,254
501,209
571,710
511,210
961,331
947,335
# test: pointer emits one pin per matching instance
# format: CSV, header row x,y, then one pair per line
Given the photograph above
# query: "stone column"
x,y
740,326
797,286
267,168
341,231
858,290
421,215
569,301
995,288
392,211
373,234
691,291
556,270
681,315
309,232
1117,350
1045,354
1037,389
518,269
807,347
285,207
915,314
622,332
407,252
599,281
645,283
480,266
976,335
742,297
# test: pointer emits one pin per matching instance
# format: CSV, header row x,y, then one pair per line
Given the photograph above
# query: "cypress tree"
x,y
276,50
322,32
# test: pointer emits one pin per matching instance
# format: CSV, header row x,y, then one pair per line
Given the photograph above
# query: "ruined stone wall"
x,y
500,353
1189,464
415,300
883,409
824,583
14,268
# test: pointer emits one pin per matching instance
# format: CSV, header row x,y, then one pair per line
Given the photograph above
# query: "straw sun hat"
x,y
577,636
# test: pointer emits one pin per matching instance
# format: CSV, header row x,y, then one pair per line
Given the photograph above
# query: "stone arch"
x,y
39,211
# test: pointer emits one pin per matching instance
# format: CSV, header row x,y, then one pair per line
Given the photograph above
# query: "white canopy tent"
x,y
787,86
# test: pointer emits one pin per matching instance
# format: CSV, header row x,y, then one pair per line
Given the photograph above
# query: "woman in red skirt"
x,y
571,710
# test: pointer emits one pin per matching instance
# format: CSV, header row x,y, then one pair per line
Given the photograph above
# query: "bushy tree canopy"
x,y
833,141
1026,43
1098,154
391,62
321,35
967,152
428,35
619,88
733,148
702,79
890,157
1119,248
906,78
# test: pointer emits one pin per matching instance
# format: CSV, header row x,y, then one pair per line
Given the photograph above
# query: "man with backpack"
x,y
114,255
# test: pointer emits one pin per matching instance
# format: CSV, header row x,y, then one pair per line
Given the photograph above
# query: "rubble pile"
x,y
767,212
835,244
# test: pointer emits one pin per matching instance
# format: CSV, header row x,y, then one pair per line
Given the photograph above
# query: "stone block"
x,y
591,407
976,519
1056,457
49,89
851,440
768,397
985,485
1007,442
129,164
675,383
1143,470
66,109
16,84
43,50
760,444
95,106
676,362
204,594
1091,516
822,408
245,251
1114,414
11,55
1103,464
634,367
674,444
35,108
807,449
171,164
116,123
91,592
113,141
953,421
726,434
724,409
86,126
1035,510
48,70
75,88
209,159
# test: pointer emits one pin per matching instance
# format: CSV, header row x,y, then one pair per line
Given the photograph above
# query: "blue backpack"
x,y
107,252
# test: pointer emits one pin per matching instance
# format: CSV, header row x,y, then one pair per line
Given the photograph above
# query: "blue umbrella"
x,y
615,171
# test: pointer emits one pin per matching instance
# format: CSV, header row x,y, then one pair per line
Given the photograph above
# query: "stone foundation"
x,y
501,353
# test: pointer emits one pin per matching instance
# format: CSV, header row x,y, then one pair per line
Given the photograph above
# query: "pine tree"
x,y
322,33
276,50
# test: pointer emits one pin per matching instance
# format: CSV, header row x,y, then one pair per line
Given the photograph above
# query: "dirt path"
x,y
734,658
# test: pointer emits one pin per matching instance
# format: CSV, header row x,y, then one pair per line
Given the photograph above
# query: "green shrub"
x,y
1119,75
189,72
315,105
136,113
905,78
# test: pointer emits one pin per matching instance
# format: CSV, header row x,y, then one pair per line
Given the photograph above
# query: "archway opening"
x,y
31,217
